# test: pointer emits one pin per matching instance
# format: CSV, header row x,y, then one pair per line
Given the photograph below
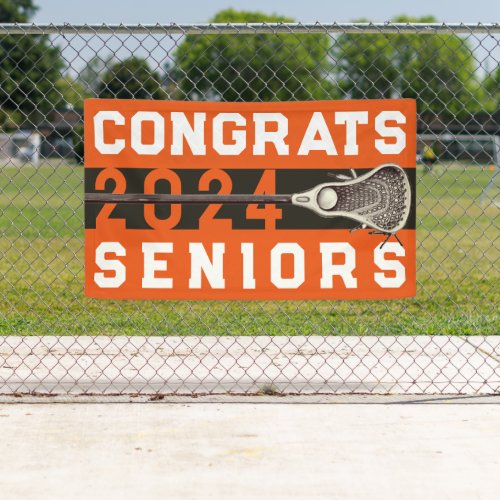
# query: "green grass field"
x,y
41,271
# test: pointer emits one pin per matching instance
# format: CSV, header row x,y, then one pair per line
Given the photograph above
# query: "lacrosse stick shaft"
x,y
187,198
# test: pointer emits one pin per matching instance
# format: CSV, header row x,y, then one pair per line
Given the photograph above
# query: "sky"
x,y
199,11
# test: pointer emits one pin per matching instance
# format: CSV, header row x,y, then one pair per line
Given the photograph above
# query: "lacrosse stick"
x,y
379,199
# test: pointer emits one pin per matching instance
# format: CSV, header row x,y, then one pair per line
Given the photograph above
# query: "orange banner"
x,y
348,165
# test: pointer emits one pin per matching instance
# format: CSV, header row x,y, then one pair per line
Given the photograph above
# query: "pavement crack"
x,y
493,356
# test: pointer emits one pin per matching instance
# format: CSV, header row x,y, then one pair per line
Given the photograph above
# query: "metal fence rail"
x,y
248,28
53,340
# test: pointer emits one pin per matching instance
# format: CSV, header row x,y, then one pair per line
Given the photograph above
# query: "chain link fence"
x,y
53,340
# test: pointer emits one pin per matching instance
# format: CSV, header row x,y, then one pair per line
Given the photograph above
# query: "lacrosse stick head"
x,y
379,199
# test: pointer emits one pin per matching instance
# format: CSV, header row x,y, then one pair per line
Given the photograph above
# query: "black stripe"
x,y
244,181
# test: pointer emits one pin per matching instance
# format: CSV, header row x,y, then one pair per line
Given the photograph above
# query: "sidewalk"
x,y
218,365
206,450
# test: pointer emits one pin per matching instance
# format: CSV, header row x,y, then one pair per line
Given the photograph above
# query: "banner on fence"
x,y
344,230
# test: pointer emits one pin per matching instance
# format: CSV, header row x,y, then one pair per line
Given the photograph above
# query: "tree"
x,y
437,70
491,87
131,79
253,67
91,77
16,11
365,67
29,67
71,93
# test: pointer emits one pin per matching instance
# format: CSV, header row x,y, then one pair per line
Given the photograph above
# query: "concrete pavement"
x,y
334,451
219,365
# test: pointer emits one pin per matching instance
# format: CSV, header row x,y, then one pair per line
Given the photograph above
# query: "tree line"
x,y
440,71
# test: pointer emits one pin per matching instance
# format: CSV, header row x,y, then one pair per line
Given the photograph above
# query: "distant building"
x,y
20,147
52,138
477,123
57,132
